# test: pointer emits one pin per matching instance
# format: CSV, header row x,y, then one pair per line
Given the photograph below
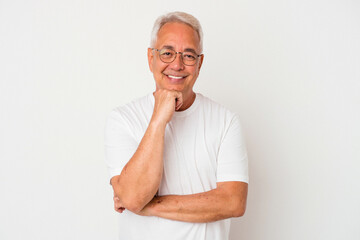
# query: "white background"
x,y
289,68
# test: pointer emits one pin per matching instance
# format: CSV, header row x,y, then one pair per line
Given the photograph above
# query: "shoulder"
x,y
135,107
218,120
138,110
216,110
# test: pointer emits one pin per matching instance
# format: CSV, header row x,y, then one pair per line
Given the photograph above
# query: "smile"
x,y
175,77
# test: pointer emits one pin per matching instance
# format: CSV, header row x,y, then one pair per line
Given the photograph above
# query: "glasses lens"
x,y
167,55
189,58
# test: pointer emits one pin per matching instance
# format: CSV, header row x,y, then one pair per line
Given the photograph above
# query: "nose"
x,y
177,64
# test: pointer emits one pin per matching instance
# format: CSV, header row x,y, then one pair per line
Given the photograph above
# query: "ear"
x,y
150,55
201,61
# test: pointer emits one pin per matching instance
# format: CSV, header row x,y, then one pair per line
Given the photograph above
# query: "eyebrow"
x,y
190,50
185,50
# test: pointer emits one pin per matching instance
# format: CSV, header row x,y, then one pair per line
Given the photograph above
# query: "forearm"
x,y
213,205
140,178
204,207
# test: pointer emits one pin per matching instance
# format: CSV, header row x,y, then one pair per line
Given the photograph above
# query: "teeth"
x,y
174,77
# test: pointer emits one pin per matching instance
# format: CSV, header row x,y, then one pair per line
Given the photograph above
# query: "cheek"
x,y
159,68
195,72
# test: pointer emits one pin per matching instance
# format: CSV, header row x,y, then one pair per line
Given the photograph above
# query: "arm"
x,y
226,201
229,197
140,178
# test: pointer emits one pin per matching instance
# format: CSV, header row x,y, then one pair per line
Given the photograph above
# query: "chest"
x,y
190,156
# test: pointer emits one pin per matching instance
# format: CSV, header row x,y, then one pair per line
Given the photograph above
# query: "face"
x,y
175,75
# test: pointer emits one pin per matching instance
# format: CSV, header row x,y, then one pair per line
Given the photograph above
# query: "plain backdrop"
x,y
289,68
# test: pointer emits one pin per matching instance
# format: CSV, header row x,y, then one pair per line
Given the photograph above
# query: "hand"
x,y
117,205
146,211
166,102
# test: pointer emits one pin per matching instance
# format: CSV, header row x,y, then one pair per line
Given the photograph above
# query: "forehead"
x,y
178,35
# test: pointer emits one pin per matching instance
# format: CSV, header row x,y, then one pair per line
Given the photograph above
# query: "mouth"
x,y
174,78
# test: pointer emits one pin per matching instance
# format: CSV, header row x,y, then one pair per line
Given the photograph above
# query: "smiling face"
x,y
175,75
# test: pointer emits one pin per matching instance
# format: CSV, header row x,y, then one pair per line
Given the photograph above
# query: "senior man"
x,y
177,160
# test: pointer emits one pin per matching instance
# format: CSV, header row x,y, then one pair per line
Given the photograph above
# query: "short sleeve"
x,y
232,162
120,145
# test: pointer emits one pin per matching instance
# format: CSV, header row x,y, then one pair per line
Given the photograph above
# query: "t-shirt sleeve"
x,y
120,145
232,164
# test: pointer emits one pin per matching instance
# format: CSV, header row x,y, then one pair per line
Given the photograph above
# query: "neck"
x,y
188,101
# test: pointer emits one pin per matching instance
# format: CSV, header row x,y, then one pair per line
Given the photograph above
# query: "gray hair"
x,y
179,17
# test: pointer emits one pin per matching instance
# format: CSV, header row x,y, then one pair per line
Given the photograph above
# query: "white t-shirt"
x,y
203,146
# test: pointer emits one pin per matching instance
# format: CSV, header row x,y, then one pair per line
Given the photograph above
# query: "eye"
x,y
166,53
189,56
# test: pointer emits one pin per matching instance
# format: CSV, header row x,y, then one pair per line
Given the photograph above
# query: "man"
x,y
177,160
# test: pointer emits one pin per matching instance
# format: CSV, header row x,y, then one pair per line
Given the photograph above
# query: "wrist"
x,y
157,123
154,205
149,209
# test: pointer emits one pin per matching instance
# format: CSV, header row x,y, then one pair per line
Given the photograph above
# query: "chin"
x,y
174,87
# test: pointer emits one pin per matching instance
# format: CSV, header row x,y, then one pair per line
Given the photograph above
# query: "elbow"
x,y
239,203
239,212
132,204
128,199
239,208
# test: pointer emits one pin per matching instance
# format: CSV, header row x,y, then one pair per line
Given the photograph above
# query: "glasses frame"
x,y
176,53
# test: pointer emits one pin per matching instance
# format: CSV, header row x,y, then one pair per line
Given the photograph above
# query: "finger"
x,y
178,105
117,204
178,100
120,210
116,200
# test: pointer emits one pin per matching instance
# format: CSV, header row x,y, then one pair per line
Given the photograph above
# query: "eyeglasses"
x,y
168,55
